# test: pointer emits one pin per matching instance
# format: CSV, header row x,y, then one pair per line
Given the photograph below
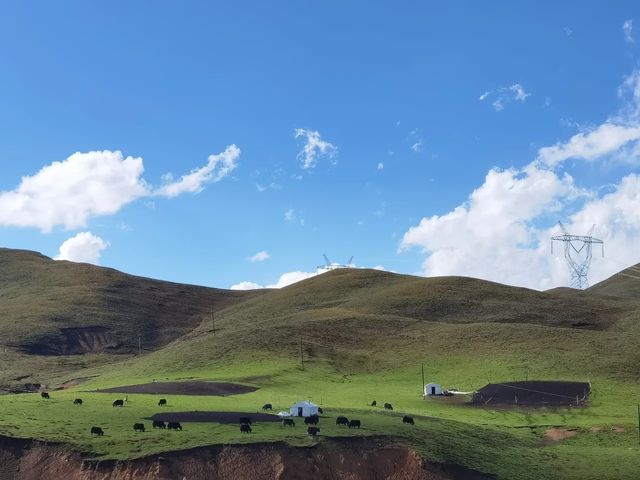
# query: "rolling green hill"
x,y
58,308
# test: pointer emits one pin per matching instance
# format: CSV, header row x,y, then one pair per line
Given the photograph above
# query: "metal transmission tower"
x,y
329,265
577,252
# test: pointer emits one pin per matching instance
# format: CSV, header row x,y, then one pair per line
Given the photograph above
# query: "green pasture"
x,y
503,441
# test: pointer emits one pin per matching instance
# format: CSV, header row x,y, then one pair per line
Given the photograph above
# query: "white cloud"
x,y
290,215
285,280
504,95
246,286
568,32
85,247
627,30
314,148
521,95
70,192
502,232
591,145
86,185
217,167
380,166
492,235
260,257
416,147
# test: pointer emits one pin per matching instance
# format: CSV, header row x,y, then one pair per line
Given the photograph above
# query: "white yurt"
x,y
433,389
304,409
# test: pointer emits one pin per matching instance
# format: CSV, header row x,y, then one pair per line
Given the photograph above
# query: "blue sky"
x,y
418,103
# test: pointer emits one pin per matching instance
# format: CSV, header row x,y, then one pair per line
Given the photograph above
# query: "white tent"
x,y
432,389
304,409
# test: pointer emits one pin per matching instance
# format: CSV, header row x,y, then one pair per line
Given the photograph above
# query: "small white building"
x,y
432,389
304,409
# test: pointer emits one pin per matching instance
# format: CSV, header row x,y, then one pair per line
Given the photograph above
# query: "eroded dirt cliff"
x,y
361,459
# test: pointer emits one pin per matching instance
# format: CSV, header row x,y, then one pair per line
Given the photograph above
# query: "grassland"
x,y
364,336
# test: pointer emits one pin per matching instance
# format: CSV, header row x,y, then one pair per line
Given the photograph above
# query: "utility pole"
x,y
139,344
422,388
638,424
301,354
213,323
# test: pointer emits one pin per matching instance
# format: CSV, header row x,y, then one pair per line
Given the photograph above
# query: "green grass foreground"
x,y
507,442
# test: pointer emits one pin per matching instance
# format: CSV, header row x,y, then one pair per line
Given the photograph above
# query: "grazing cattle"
x,y
245,421
313,431
288,422
97,431
354,424
374,403
162,402
320,411
159,424
408,419
77,401
342,421
174,426
388,406
267,406
244,428
118,403
44,395
312,420
138,427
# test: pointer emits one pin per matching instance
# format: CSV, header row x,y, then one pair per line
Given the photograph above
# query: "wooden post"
x,y
638,424
301,354
213,323
422,388
139,344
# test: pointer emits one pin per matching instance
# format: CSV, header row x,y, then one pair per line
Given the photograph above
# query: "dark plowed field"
x,y
219,389
534,393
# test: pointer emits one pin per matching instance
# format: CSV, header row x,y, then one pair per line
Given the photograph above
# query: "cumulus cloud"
x,y
502,231
86,185
260,257
380,166
246,286
504,95
314,148
285,280
69,192
627,30
85,247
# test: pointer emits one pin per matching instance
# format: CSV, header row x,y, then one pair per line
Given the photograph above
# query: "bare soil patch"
x,y
220,389
217,417
558,434
617,429
533,393
73,382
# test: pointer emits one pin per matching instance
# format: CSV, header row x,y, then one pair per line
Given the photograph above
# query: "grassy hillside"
x,y
61,308
624,284
364,335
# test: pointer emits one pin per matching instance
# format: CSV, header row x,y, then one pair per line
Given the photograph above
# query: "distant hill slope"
x,y
623,284
435,299
57,307
368,320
